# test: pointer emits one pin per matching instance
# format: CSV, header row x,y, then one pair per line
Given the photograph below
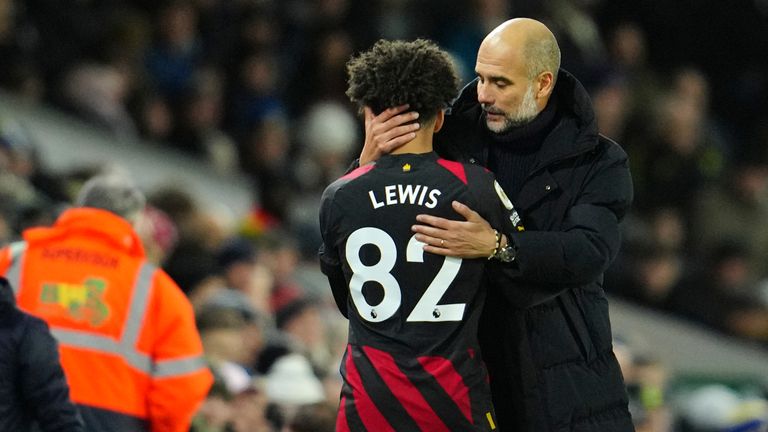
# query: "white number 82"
x,y
426,308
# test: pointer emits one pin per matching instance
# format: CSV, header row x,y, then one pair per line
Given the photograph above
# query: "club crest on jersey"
x,y
81,302
406,167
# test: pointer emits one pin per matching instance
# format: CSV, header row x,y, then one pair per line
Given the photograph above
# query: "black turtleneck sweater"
x,y
513,154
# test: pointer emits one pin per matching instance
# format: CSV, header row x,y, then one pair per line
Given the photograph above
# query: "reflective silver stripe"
x,y
125,348
14,271
170,368
138,306
103,344
85,340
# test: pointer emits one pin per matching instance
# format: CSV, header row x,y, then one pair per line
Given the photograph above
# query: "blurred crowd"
x,y
257,87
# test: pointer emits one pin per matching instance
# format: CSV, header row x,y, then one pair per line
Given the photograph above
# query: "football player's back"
x,y
412,363
413,316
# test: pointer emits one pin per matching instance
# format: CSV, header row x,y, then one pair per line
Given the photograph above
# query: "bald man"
x,y
546,334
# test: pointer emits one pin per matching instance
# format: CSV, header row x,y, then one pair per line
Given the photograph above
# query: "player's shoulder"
x,y
466,172
355,175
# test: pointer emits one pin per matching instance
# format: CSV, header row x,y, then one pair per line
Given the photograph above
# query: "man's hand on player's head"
x,y
387,131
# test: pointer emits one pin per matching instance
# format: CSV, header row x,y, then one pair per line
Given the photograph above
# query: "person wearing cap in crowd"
x,y
196,270
242,271
232,330
127,338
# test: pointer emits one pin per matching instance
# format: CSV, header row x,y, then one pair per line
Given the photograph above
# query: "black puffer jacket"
x,y
33,391
546,334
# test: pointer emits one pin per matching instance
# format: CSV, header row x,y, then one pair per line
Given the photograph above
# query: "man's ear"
x,y
545,83
439,119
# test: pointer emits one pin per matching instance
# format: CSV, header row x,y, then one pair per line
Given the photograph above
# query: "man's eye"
x,y
500,84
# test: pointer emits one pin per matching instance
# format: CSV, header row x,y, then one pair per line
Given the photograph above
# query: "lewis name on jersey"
x,y
404,194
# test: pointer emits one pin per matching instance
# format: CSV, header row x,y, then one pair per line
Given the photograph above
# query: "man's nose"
x,y
483,95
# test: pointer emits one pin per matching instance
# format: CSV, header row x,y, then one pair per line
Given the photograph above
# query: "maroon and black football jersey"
x,y
413,362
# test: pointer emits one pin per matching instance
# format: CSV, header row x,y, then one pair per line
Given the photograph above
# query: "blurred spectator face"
x,y
221,331
750,322
178,24
205,290
98,91
733,272
204,109
308,327
156,118
259,73
16,150
269,143
239,274
245,274
335,49
250,408
752,183
281,260
611,102
668,229
261,31
158,234
682,125
215,413
659,273
6,19
223,344
692,86
332,9
207,228
628,45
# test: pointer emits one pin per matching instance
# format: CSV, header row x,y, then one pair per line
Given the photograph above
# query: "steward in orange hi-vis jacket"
x,y
127,337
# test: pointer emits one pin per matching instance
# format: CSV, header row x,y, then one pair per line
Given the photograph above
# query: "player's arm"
x,y
330,261
331,267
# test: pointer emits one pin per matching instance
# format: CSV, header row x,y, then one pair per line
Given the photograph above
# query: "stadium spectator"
x,y
736,209
723,294
126,333
196,271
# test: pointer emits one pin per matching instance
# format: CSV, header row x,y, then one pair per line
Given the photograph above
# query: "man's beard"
x,y
526,112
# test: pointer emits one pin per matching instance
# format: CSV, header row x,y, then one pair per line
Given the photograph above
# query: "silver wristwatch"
x,y
506,254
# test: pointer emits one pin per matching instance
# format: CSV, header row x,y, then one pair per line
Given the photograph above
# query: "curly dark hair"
x,y
394,73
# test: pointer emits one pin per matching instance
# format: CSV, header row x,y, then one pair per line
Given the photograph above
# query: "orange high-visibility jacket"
x,y
127,337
